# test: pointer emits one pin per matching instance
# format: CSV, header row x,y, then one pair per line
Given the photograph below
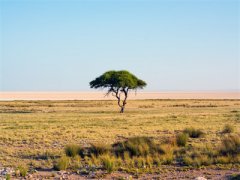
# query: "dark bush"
x,y
137,146
194,133
228,129
72,150
99,149
234,177
230,145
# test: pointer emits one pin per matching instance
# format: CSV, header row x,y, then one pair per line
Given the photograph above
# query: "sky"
x,y
174,45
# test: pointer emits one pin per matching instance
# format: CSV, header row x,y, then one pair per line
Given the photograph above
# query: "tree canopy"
x,y
118,82
118,79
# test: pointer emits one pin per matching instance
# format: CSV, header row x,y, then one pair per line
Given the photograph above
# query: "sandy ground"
x,y
214,174
101,95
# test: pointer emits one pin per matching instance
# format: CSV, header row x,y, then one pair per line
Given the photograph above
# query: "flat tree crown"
x,y
118,79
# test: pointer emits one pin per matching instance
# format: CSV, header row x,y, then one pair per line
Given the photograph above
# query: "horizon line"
x,y
103,90
101,95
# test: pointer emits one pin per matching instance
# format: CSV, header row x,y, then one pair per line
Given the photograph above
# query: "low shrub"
x,y
230,145
137,146
187,161
194,133
62,164
197,158
167,159
228,129
144,152
202,160
222,160
182,139
72,150
99,149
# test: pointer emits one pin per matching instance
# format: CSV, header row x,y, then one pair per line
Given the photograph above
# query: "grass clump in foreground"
x,y
21,171
136,152
144,154
137,146
62,164
230,145
108,163
182,139
227,153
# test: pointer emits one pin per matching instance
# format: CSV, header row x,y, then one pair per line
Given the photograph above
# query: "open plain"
x,y
33,134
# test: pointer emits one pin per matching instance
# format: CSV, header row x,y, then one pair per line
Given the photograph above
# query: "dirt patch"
x,y
170,173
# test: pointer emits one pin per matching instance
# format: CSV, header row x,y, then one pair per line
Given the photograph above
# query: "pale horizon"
x,y
101,95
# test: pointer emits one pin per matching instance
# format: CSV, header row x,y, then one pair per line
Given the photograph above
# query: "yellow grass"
x,y
32,133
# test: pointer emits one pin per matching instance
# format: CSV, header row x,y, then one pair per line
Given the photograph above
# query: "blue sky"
x,y
174,45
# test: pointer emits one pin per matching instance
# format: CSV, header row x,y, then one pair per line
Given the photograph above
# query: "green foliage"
x,y
72,150
230,145
182,139
118,82
194,133
228,128
62,164
137,146
8,177
22,171
117,79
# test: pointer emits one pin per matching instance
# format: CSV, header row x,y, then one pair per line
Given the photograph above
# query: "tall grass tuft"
x,y
182,139
62,164
22,171
108,163
72,150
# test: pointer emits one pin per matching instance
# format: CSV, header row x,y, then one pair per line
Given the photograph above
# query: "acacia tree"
x,y
117,83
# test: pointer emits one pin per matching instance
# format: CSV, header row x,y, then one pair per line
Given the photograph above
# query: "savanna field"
x,y
92,136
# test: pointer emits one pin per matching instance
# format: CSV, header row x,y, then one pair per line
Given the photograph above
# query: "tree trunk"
x,y
122,106
122,109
